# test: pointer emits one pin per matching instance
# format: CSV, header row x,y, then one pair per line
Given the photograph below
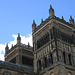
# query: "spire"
x,y
62,18
28,45
50,6
6,48
33,21
12,45
18,39
51,11
33,26
41,20
71,20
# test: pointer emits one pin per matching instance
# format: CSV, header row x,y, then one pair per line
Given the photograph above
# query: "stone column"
x,y
17,61
48,60
54,57
49,35
19,56
36,66
34,44
66,57
60,55
72,59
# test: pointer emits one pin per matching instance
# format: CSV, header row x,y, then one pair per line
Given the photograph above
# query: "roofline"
x,y
15,67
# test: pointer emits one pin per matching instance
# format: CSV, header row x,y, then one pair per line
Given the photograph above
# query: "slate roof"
x,y
15,67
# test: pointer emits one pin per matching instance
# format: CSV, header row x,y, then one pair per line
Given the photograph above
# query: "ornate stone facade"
x,y
54,46
53,50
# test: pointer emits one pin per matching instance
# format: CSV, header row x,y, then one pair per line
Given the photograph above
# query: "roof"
x,y
15,67
55,18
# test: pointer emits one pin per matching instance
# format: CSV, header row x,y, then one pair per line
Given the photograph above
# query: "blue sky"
x,y
16,16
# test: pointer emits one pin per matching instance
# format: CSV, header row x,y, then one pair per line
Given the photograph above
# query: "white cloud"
x,y
24,40
2,51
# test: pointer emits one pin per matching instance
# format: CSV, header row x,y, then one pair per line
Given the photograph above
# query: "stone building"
x,y
18,59
53,51
54,46
19,54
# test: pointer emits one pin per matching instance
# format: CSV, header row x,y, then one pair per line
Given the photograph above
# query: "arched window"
x,y
64,57
69,57
45,61
51,58
39,65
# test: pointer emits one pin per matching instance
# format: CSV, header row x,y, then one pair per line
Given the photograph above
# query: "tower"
x,y
6,48
20,54
53,45
18,39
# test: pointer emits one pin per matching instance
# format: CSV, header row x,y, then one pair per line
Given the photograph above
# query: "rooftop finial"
x,y
18,34
41,20
33,26
18,39
6,48
7,45
12,45
70,17
71,20
28,45
50,6
62,18
51,12
33,21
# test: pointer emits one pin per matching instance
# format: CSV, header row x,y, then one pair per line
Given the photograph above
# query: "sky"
x,y
16,16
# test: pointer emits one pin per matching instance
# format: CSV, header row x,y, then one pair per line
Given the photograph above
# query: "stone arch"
x,y
6,73
51,73
69,73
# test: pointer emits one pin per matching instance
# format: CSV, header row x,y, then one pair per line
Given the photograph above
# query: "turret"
x,y
51,12
62,18
33,26
41,20
18,39
6,48
12,46
71,20
28,45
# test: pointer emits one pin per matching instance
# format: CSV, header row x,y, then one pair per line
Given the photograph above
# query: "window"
x,y
64,57
27,61
43,40
51,58
69,57
13,60
45,60
39,64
